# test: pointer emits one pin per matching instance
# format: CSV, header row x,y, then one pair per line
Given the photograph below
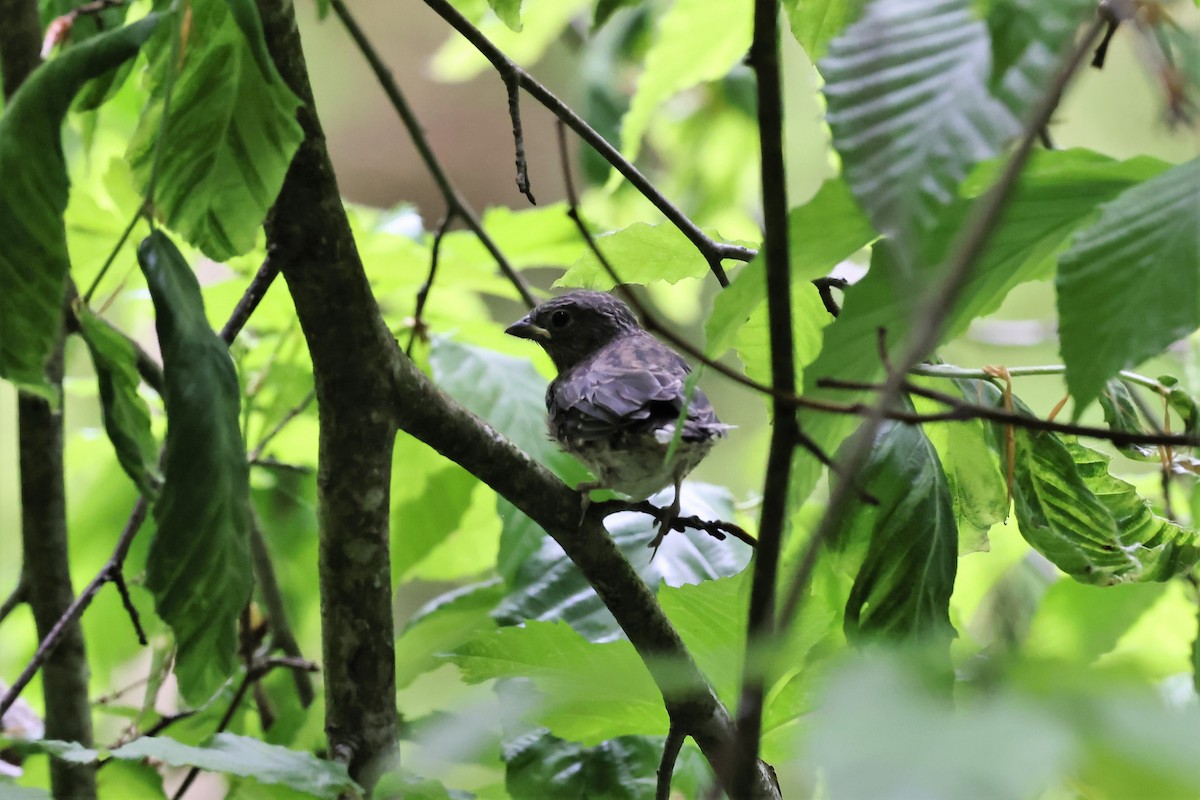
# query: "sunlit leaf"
x,y
696,42
592,691
230,136
33,198
1130,284
199,563
126,416
815,22
640,254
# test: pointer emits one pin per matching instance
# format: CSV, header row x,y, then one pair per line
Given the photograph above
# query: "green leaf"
x,y
509,12
549,587
815,22
695,43
1080,623
809,318
639,254
910,111
592,691
126,416
1121,414
33,199
903,587
1093,526
1028,37
1130,284
227,753
823,232
229,138
606,8
443,624
1056,194
542,766
198,567
542,23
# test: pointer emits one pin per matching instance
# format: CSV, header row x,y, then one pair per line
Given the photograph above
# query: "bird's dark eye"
x,y
560,319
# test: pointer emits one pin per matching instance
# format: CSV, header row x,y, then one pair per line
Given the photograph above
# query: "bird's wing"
x,y
635,383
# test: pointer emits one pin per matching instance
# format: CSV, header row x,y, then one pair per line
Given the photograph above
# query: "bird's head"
x,y
572,327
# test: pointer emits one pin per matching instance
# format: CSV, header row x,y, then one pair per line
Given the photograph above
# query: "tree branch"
x,y
455,204
931,318
764,57
309,237
713,251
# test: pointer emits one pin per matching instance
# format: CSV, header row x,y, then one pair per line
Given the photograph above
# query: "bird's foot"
x,y
667,517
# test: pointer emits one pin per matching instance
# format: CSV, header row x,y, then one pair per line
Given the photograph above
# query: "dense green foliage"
x,y
1042,580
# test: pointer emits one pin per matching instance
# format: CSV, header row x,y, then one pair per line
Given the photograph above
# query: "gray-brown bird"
x,y
618,398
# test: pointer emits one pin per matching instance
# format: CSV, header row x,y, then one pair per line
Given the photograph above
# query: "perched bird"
x,y
618,397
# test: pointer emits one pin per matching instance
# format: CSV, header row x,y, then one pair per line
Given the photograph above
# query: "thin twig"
x,y
931,317
455,204
514,112
419,328
15,598
118,580
713,251
785,434
256,454
249,301
666,767
112,256
282,636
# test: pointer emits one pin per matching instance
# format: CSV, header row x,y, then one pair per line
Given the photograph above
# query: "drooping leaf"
x,y
815,22
547,586
910,111
33,198
226,753
903,586
126,416
1121,414
230,135
590,691
509,12
641,254
696,42
1130,284
198,567
1093,526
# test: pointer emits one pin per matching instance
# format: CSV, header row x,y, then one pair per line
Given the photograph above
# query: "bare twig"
x,y
514,111
112,256
666,767
249,301
713,251
118,580
785,435
282,636
15,598
931,318
255,456
419,328
455,204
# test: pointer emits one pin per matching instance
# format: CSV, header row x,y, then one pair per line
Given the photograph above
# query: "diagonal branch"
x,y
714,252
456,206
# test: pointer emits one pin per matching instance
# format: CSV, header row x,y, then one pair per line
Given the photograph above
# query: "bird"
x,y
620,398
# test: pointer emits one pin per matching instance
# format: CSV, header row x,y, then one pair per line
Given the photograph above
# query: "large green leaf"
x,y
1130,284
903,585
696,42
229,138
591,691
126,416
1057,193
910,110
1093,526
198,567
227,753
33,198
815,22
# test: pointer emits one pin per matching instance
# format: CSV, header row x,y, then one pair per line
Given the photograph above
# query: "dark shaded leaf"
x,y
33,198
1121,414
126,416
1130,284
198,567
230,137
902,588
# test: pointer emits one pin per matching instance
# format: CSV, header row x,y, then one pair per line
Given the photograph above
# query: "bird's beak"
x,y
525,329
